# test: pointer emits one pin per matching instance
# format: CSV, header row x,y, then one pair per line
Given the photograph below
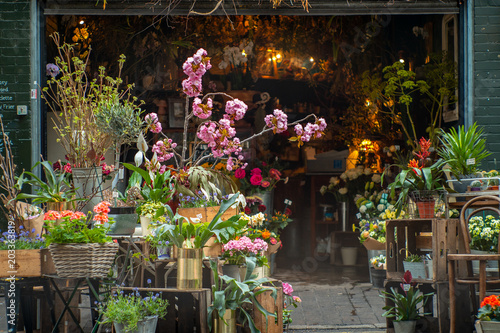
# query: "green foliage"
x,y
484,233
406,306
229,294
182,233
76,230
57,188
129,309
157,186
413,258
459,147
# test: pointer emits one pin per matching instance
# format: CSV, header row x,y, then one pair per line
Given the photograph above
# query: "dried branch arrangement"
x,y
8,190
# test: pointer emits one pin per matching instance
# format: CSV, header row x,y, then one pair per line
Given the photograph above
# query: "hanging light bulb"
x,y
82,22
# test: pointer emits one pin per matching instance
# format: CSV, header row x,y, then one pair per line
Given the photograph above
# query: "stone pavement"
x,y
334,298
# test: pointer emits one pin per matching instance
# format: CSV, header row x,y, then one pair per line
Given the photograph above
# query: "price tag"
x,y
471,161
288,202
406,286
121,173
115,194
358,216
199,216
398,147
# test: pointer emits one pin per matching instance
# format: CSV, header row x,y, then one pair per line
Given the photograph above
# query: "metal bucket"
x,y
189,268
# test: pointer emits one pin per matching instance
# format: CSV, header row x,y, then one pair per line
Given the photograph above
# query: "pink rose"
x,y
256,180
240,173
256,171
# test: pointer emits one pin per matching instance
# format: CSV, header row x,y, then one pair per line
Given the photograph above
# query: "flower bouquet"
x,y
372,234
263,177
378,262
484,233
351,182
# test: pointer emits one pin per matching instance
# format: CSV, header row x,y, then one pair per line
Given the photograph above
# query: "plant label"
x,y
471,161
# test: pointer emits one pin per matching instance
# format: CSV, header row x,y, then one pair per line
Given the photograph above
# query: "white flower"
x,y
343,176
381,207
343,190
362,209
323,189
376,178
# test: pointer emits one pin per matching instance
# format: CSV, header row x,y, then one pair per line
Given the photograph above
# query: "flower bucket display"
x,y
189,268
146,325
378,277
91,260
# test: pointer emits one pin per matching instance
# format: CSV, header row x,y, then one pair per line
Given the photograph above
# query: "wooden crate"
x,y
206,214
26,263
265,299
187,309
441,236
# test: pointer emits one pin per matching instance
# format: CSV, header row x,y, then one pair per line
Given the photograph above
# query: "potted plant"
x,y
235,252
80,245
123,210
378,270
489,315
414,263
463,150
421,180
407,305
493,179
484,233
56,193
190,238
229,296
32,258
132,313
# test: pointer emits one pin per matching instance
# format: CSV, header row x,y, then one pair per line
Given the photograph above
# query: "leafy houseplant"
x,y
407,305
230,295
130,311
463,150
56,189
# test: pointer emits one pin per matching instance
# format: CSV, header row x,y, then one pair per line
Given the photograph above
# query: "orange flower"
x,y
51,215
266,234
414,164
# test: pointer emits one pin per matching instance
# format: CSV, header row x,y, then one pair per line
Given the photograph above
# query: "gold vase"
x,y
189,268
60,206
230,318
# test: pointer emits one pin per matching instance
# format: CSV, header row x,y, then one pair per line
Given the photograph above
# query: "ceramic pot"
x,y
189,268
233,271
406,326
147,325
145,222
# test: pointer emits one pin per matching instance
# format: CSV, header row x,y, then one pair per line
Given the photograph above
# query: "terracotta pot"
x,y
426,209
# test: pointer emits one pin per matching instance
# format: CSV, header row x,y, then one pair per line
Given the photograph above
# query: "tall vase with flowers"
x,y
217,137
236,61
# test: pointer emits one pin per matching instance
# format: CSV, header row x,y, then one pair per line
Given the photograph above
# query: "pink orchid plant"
x,y
218,138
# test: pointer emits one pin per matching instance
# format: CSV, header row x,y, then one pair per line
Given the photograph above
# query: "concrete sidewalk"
x,y
334,299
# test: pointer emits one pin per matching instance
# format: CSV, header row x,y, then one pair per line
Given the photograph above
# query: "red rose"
x,y
262,208
265,184
256,171
256,180
248,211
288,212
240,173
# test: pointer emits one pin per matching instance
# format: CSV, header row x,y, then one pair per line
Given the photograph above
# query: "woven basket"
x,y
83,260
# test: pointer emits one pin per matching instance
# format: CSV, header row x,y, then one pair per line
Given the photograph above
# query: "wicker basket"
x,y
83,260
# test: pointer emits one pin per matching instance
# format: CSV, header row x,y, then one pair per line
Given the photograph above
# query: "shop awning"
x,y
250,7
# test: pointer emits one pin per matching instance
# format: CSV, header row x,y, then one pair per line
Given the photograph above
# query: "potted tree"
x,y
407,305
463,150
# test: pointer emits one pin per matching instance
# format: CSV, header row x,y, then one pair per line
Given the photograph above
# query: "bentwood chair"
x,y
480,204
